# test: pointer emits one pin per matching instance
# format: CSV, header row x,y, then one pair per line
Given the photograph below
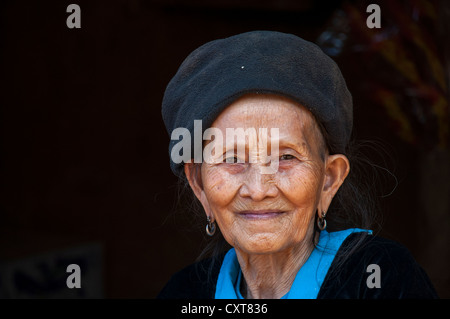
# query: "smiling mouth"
x,y
261,214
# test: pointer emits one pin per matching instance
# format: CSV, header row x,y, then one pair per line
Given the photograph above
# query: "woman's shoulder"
x,y
196,281
370,266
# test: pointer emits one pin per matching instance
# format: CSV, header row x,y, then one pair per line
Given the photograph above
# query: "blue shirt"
x,y
309,278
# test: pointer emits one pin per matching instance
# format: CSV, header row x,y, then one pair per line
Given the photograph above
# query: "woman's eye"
x,y
286,157
230,159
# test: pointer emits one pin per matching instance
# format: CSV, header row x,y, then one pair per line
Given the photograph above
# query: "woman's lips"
x,y
260,214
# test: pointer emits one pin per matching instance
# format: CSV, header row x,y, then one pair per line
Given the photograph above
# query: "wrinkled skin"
x,y
269,218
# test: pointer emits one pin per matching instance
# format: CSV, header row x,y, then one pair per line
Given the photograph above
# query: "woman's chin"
x,y
261,243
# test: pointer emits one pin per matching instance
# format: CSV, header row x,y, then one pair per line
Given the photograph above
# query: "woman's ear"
x,y
337,168
194,176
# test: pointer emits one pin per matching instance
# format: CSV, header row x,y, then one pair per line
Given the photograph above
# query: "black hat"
x,y
219,72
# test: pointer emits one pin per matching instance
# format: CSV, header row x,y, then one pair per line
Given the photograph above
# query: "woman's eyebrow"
x,y
302,147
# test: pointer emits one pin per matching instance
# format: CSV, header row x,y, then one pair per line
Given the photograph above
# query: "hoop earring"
x,y
322,222
210,227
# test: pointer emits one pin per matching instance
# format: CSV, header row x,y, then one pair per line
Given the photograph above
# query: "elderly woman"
x,y
295,220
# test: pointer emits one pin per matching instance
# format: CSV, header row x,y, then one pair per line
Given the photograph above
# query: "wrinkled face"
x,y
259,212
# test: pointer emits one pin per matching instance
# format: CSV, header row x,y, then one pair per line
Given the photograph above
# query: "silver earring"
x,y
210,227
322,222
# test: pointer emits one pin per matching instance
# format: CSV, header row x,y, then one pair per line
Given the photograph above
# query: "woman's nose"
x,y
258,184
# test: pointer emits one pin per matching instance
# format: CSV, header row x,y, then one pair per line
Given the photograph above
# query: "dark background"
x,y
84,157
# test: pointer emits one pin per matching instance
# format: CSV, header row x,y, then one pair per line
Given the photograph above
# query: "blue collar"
x,y
309,278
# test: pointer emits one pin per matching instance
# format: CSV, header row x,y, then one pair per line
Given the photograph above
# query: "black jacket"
x,y
401,276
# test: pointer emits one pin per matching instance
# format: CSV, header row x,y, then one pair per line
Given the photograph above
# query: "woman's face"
x,y
259,212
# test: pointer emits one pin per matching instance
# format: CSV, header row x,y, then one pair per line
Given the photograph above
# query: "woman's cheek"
x,y
220,186
299,183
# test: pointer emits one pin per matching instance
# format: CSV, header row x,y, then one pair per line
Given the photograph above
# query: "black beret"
x,y
219,72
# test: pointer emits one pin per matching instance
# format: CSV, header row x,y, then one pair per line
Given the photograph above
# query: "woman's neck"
x,y
270,276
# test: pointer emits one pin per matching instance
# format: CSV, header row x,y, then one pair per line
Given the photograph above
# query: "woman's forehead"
x,y
297,127
266,111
